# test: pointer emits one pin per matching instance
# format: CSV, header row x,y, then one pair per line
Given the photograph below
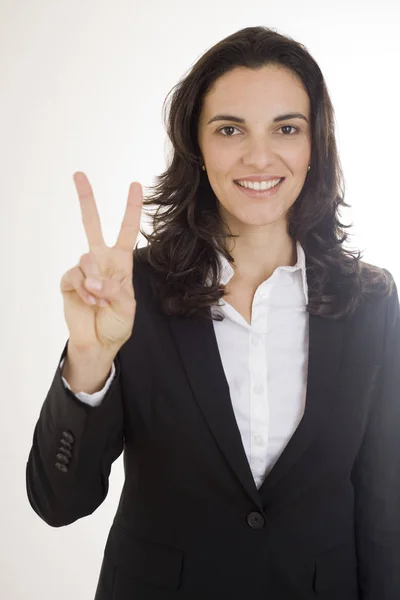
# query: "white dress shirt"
x,y
265,363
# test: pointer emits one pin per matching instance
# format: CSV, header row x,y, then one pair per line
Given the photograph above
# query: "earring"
x,y
309,167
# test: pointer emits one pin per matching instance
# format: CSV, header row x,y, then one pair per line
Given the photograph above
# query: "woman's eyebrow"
x,y
240,120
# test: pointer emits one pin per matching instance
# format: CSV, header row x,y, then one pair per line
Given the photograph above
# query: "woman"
x,y
248,369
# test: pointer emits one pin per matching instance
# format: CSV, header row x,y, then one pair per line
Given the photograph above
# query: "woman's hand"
x,y
102,319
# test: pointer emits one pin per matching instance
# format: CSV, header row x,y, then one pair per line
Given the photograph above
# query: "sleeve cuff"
x,y
95,398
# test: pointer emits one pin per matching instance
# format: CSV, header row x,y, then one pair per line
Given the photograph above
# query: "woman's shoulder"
x,y
376,281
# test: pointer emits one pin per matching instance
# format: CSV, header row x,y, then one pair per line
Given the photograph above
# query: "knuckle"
x,y
88,264
77,274
76,277
73,280
84,261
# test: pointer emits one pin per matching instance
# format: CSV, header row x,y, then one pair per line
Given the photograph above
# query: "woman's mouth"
x,y
260,193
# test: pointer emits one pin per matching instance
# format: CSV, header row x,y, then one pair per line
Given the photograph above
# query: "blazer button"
x,y
61,467
65,451
255,520
65,444
63,459
68,436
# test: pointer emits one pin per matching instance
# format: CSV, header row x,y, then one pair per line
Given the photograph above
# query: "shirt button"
x,y
258,389
258,440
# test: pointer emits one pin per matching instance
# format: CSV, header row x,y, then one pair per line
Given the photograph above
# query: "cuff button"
x,y
65,451
63,459
61,467
68,436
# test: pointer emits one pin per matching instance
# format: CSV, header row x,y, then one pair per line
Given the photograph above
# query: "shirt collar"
x,y
227,271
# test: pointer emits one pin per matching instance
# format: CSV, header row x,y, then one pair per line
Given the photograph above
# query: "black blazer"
x,y
191,524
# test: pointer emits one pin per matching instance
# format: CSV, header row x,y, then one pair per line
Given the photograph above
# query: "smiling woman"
x,y
261,453
254,107
260,150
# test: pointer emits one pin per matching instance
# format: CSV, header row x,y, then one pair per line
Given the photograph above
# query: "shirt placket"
x,y
259,406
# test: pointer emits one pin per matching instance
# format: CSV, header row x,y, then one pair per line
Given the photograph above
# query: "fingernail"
x,y
93,284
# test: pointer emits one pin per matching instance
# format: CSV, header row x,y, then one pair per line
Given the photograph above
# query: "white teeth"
x,y
259,185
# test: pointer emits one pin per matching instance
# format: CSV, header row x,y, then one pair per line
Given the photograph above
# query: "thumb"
x,y
121,298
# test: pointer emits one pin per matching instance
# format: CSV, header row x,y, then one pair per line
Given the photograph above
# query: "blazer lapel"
x,y
202,362
324,358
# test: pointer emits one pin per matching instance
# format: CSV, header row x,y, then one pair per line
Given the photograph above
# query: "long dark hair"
x,y
187,228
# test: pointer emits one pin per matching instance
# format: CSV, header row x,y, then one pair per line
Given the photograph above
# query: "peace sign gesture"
x,y
103,318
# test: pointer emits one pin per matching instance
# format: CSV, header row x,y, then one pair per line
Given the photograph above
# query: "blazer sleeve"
x,y
376,476
93,438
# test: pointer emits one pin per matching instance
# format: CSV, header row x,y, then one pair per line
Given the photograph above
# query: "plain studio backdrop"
x,y
82,87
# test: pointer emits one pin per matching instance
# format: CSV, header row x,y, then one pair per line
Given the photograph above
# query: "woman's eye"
x,y
283,127
227,127
290,127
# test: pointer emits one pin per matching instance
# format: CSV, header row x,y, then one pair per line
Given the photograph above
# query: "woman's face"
x,y
257,146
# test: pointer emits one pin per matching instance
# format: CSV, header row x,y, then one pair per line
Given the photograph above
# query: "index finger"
x,y
90,215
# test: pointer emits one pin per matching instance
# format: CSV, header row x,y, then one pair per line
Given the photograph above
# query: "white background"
x,y
82,87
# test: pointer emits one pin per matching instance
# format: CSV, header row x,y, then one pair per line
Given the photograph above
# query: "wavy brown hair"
x,y
187,228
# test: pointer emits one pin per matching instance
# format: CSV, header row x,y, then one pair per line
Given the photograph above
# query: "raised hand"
x,y
102,319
